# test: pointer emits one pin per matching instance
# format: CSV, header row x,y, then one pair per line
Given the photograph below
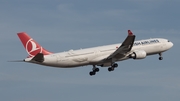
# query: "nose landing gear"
x,y
160,56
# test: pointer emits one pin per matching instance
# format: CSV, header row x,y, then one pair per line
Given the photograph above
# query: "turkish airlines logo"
x,y
32,48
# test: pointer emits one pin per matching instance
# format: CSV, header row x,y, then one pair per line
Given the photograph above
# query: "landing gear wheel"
x,y
92,73
160,58
96,70
111,69
115,65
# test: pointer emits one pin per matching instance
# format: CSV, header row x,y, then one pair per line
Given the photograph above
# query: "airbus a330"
x,y
103,56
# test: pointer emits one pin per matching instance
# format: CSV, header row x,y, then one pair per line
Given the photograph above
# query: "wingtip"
x,y
130,33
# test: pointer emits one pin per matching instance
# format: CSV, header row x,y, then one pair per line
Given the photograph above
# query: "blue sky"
x,y
61,25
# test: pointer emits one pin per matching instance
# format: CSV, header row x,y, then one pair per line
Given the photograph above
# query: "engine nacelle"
x,y
138,54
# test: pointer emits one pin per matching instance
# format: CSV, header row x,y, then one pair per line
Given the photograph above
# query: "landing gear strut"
x,y
160,56
113,66
94,70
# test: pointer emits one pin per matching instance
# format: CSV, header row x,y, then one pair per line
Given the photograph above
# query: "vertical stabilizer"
x,y
31,46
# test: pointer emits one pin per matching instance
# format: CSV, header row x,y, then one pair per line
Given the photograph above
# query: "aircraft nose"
x,y
170,44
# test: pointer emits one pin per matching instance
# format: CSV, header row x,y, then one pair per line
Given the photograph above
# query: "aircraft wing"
x,y
125,47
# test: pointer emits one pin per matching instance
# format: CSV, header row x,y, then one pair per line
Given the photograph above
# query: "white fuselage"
x,y
93,56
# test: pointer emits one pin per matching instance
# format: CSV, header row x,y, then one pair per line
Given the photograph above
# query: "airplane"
x,y
104,56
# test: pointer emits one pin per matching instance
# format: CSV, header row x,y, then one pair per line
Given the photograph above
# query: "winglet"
x,y
130,33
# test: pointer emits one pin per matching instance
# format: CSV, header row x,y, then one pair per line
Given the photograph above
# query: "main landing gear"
x,y
113,66
160,56
94,70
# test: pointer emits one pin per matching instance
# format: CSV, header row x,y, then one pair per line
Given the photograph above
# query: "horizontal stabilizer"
x,y
39,57
16,61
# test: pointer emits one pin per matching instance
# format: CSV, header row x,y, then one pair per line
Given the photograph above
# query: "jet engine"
x,y
138,54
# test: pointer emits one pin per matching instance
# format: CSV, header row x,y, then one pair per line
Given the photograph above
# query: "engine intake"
x,y
138,54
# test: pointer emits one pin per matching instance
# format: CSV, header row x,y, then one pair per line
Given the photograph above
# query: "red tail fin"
x,y
31,46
